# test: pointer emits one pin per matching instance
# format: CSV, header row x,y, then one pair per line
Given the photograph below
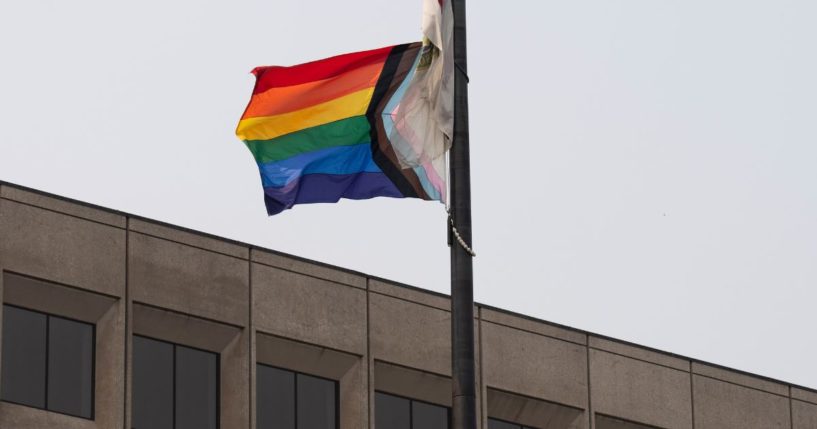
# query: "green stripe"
x,y
345,132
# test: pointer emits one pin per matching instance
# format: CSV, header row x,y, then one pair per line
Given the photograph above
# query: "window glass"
x,y
196,389
392,412
316,403
152,384
291,400
70,367
24,357
427,416
275,396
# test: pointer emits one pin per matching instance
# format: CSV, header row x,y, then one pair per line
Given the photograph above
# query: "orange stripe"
x,y
278,100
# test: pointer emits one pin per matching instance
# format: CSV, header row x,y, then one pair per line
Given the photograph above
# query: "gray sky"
x,y
643,169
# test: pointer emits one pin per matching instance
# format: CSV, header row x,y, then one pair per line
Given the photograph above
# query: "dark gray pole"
x,y
464,400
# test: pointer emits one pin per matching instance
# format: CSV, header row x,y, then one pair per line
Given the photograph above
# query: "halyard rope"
x,y
458,236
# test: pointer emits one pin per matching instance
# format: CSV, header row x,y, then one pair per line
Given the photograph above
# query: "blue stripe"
x,y
327,188
334,160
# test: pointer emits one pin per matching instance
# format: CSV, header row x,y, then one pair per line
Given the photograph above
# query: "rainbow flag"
x,y
319,131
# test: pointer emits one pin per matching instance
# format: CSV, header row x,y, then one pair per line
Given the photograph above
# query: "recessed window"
x,y
291,400
48,362
499,424
174,387
395,412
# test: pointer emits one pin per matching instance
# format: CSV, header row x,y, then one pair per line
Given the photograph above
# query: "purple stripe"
x,y
328,188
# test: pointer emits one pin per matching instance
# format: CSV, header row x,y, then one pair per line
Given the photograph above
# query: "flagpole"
x,y
464,403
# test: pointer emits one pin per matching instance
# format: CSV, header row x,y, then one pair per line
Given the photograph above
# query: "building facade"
x,y
114,321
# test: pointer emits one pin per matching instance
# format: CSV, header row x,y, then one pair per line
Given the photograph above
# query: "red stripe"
x,y
277,76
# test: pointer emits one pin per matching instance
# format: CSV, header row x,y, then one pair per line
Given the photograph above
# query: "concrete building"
x,y
115,321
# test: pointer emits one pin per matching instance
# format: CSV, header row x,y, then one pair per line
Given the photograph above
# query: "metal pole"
x,y
464,401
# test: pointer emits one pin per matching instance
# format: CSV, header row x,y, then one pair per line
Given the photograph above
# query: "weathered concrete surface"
x,y
189,280
534,365
62,248
723,405
315,270
804,415
640,391
410,334
308,309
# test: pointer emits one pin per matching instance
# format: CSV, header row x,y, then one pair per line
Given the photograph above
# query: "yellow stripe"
x,y
270,127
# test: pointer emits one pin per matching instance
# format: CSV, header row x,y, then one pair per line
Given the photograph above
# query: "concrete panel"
x,y
188,280
63,206
189,238
722,405
410,334
534,365
804,395
741,379
525,324
409,294
307,309
62,248
638,391
640,353
320,271
804,415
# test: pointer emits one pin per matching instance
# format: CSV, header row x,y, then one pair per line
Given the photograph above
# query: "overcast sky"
x,y
644,169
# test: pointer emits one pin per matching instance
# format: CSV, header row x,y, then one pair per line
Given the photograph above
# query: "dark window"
x,y
499,424
394,412
174,387
48,362
290,400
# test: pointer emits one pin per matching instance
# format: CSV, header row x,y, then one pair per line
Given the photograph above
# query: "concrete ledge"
x,y
533,412
522,323
639,353
189,238
409,294
302,357
15,416
55,299
607,422
311,269
412,383
62,206
182,329
804,395
740,379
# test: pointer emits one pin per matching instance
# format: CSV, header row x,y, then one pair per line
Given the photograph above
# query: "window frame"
x,y
295,388
411,406
48,317
218,375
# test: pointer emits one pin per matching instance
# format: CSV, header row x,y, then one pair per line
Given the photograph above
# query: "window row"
x,y
48,363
